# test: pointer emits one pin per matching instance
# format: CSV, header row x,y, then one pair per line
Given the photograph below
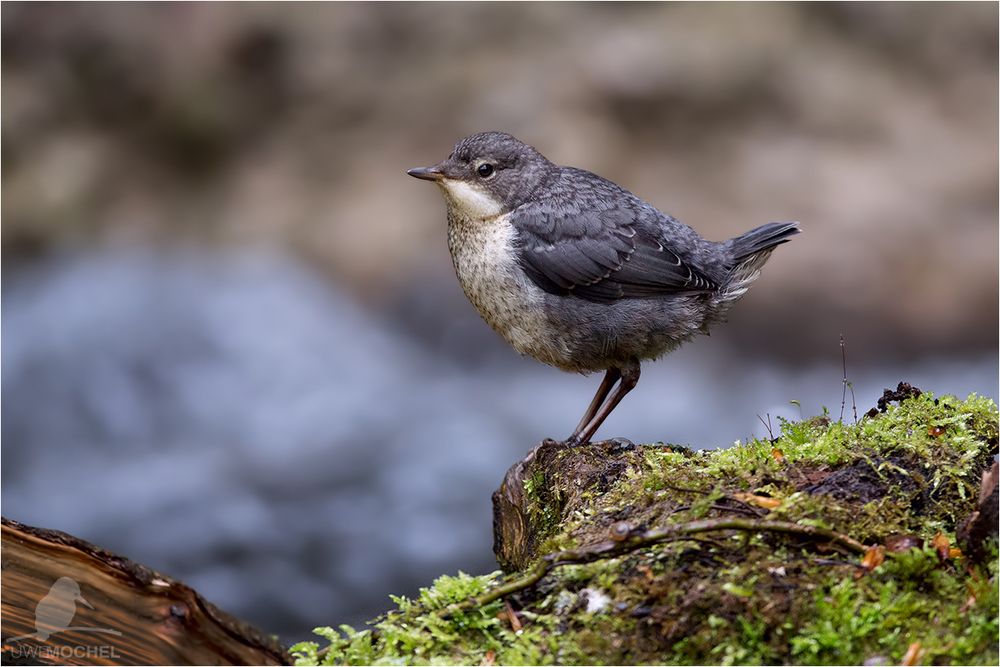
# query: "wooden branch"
x,y
613,549
135,615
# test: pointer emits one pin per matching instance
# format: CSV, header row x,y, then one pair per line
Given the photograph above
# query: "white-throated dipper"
x,y
578,272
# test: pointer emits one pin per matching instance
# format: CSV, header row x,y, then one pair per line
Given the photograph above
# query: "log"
x,y
542,493
66,601
537,491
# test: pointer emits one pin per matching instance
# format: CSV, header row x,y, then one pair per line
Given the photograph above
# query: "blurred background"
x,y
233,345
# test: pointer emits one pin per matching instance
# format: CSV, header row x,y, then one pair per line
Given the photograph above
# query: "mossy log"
x,y
553,483
871,541
66,601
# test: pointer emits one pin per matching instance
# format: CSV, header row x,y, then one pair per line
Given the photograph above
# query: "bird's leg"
x,y
610,378
629,378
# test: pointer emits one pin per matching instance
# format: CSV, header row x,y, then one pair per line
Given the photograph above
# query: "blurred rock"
x,y
875,125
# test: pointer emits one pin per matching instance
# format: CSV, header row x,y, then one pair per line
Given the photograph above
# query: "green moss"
x,y
911,600
545,501
734,598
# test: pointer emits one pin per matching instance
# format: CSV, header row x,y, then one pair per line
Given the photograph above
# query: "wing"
x,y
602,253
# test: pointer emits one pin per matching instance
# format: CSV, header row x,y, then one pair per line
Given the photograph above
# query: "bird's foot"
x,y
577,441
614,444
550,443
620,444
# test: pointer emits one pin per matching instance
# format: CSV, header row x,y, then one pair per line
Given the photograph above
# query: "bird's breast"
x,y
485,256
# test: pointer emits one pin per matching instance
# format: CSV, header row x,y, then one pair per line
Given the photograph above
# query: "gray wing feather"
x,y
602,253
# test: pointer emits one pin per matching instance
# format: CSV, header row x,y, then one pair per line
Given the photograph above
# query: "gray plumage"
x,y
580,273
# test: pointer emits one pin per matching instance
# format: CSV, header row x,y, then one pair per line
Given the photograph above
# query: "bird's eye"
x,y
485,170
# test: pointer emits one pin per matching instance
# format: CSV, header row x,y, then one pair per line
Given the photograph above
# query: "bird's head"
x,y
487,174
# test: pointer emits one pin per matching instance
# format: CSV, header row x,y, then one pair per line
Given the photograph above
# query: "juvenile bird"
x,y
578,272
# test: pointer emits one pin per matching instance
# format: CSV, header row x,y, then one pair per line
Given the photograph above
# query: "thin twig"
x,y
767,425
703,540
686,489
742,508
677,510
611,549
847,383
843,395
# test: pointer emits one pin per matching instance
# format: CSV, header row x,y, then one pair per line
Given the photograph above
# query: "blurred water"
x,y
236,422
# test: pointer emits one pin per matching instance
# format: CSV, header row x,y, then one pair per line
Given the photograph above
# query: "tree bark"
x,y
136,615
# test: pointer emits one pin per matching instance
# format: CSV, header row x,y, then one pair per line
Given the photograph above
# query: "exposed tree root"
x,y
638,540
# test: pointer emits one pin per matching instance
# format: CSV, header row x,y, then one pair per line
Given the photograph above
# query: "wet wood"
x,y
66,601
537,490
513,530
981,526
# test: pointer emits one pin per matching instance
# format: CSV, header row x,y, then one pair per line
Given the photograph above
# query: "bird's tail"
x,y
750,251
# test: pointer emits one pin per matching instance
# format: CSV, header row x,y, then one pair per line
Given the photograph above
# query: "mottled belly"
x,y
485,259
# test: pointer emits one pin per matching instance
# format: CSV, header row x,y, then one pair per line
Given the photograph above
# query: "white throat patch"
x,y
468,200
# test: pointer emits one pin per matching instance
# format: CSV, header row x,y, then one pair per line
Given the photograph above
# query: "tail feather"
x,y
750,252
764,237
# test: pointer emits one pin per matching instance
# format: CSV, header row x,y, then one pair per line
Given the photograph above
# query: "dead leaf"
x,y
969,603
778,455
935,431
515,622
873,557
942,545
913,654
765,502
489,659
902,543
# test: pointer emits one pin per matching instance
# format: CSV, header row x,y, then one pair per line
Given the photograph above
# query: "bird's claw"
x,y
621,444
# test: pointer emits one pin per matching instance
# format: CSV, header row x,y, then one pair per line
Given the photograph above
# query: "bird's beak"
x,y
82,600
434,173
